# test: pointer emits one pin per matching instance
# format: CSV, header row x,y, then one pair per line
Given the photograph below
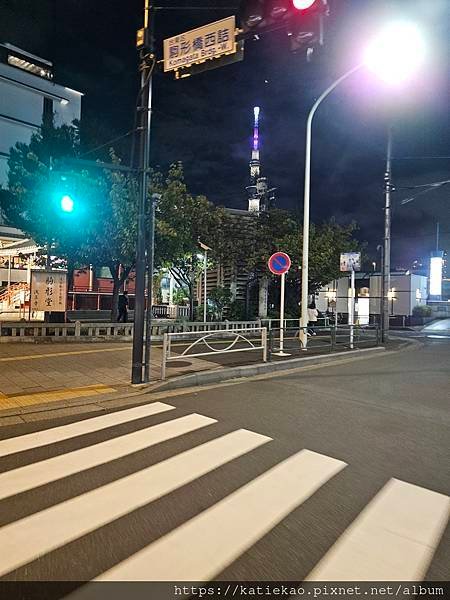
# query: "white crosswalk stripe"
x,y
244,517
393,539
65,432
27,539
31,476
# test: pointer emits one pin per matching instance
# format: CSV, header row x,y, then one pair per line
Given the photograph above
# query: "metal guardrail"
x,y
336,335
292,323
331,338
206,340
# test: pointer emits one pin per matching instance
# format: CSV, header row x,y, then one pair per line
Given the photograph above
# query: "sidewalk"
x,y
32,374
62,380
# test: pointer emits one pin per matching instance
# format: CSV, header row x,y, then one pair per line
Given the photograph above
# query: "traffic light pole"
x,y
144,112
148,320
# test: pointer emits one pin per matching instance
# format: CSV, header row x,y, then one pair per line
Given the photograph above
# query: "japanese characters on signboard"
x,y
350,261
48,291
209,41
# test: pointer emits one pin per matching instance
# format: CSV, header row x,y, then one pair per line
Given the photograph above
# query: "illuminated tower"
x,y
255,163
260,196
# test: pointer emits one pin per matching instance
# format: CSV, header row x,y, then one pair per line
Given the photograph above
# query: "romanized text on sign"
x,y
210,41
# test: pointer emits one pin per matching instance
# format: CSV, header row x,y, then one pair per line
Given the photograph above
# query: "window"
x,y
25,65
47,113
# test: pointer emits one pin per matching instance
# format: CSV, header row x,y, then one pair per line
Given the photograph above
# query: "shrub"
x,y
422,310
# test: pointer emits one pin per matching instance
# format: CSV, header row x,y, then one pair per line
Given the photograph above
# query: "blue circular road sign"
x,y
279,263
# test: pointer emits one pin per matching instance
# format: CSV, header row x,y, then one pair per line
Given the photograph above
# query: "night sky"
x,y
206,120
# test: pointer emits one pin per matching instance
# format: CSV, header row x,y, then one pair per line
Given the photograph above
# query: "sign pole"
x,y
283,279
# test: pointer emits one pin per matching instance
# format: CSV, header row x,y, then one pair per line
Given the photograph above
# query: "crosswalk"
x,y
394,537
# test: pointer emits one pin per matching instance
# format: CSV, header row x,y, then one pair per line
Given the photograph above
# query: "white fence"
x,y
249,339
23,332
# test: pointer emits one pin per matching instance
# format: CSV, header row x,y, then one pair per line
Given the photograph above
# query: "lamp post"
x,y
387,239
306,204
393,55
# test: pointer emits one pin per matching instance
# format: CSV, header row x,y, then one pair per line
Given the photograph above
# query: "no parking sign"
x,y
279,263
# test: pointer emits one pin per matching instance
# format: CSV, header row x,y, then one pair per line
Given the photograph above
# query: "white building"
x,y
407,290
27,94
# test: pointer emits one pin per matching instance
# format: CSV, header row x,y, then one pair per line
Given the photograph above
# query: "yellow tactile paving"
x,y
52,396
52,354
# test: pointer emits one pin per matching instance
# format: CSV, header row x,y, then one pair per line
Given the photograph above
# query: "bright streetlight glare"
x,y
303,4
396,52
67,204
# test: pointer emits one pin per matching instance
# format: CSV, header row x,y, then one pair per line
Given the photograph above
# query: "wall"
x,y
22,105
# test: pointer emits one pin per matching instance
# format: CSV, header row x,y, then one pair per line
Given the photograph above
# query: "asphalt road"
x,y
336,473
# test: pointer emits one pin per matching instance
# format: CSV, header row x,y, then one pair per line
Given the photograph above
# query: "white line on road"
x,y
393,539
43,472
33,536
65,432
201,548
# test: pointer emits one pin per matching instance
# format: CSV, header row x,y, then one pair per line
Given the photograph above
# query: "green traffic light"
x,y
67,204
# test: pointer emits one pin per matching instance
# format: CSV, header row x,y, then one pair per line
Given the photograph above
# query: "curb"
x,y
219,375
75,407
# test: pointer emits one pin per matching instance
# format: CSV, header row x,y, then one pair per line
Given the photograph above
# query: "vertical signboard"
x,y
48,291
350,261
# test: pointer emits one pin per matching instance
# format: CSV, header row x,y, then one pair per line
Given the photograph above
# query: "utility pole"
x,y
387,239
144,108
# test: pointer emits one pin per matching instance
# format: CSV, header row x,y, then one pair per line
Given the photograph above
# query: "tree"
x,y
181,220
220,297
327,241
101,230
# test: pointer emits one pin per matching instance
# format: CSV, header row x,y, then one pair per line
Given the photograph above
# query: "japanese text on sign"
x,y
48,291
209,41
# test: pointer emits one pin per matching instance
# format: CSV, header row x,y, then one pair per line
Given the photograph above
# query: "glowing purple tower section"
x,y
261,198
255,162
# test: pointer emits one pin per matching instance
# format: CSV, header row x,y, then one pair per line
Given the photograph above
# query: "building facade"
x,y
27,95
407,291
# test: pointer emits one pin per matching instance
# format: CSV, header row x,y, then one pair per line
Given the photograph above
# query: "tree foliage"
x,y
101,230
181,221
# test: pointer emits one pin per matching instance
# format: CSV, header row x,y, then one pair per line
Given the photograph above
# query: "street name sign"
x,y
195,46
279,263
350,261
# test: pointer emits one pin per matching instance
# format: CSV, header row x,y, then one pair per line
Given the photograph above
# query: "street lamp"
x,y
205,248
393,55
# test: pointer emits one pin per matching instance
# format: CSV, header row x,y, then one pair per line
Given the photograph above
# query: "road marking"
x,y
33,536
43,472
201,548
19,400
69,353
65,432
393,539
